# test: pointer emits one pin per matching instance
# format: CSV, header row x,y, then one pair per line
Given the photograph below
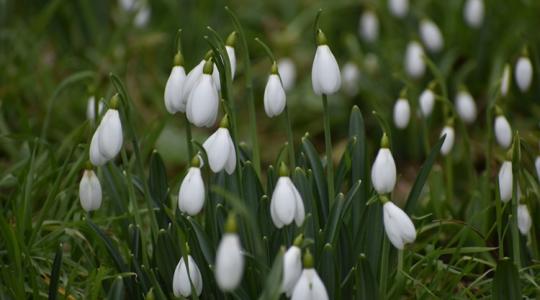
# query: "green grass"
x,y
55,54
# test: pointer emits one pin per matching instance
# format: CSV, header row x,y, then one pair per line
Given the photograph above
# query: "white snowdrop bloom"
x,y
286,204
229,47
351,77
292,269
274,94
431,35
473,12
414,60
383,171
127,5
503,132
191,193
524,219
309,286
325,75
221,151
369,26
181,278
448,143
229,259
505,80
191,79
523,73
505,181
465,106
398,226
91,108
402,113
96,158
142,17
287,72
110,137
90,191
203,101
174,88
427,101
537,166
398,8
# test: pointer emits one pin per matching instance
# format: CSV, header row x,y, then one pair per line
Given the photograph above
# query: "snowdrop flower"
x,y
414,61
286,204
398,226
229,258
91,108
142,17
191,79
523,73
292,267
537,166
369,26
191,193
383,171
181,278
431,35
448,143
287,72
505,181
274,94
473,13
505,80
203,101
325,76
109,135
127,5
220,149
175,85
524,219
402,113
229,47
465,106
503,131
351,76
90,191
310,285
96,158
398,8
427,101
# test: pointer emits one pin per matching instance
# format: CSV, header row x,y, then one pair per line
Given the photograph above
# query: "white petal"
x,y
284,201
217,148
292,268
300,213
95,155
506,181
466,107
110,134
448,143
431,35
383,172
503,132
287,72
524,219
277,222
398,226
398,8
232,59
505,80
427,101
325,75
91,108
524,72
174,90
216,78
181,281
230,165
191,79
369,26
90,191
474,13
309,287
191,193
537,166
414,61
402,113
229,262
274,96
203,103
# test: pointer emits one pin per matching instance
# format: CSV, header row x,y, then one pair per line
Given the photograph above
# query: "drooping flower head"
x,y
286,204
90,191
524,72
397,224
383,171
220,149
175,86
325,75
292,266
182,281
203,101
503,130
274,94
229,47
191,194
229,258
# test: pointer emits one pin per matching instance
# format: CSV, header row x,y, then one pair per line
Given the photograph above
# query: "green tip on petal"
x,y
115,101
308,260
321,38
274,68
187,249
450,122
230,226
403,93
299,240
498,110
509,153
178,59
385,142
196,161
89,166
224,123
208,66
231,39
283,169
432,85
208,55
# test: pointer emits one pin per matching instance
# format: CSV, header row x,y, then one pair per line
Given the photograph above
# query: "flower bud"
x,y
431,35
292,269
524,73
286,204
427,101
174,90
191,193
91,108
506,181
505,80
229,262
90,191
274,95
465,106
524,219
414,60
503,131
229,47
398,8
402,113
473,12
398,226
287,72
448,143
221,151
181,278
203,103
325,75
351,78
383,172
110,137
369,26
537,166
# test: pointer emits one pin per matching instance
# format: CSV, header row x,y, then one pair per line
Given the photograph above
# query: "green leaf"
x,y
55,273
117,290
506,281
272,287
328,270
339,208
320,179
366,284
359,167
157,179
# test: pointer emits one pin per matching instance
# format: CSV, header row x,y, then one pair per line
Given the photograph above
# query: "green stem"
x,y
399,274
383,271
290,138
328,143
498,212
188,139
